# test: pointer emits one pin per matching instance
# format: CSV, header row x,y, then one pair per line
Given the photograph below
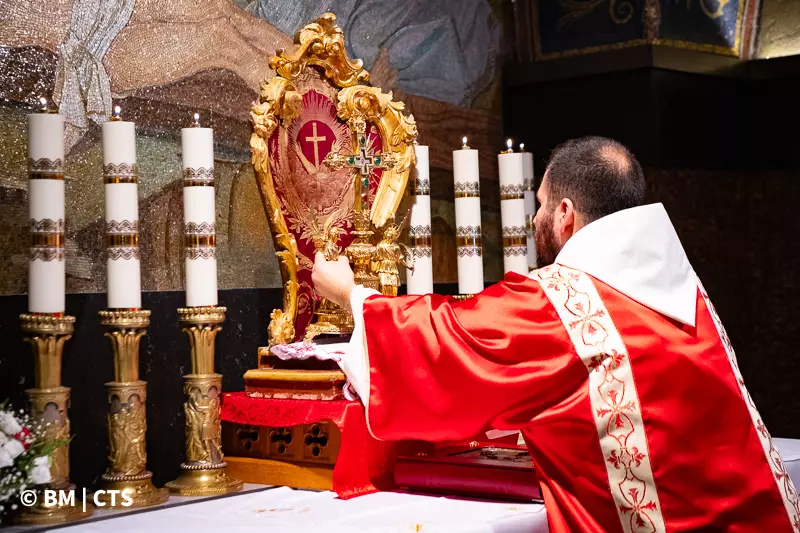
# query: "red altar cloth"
x,y
364,464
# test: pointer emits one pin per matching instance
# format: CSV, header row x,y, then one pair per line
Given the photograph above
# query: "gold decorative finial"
x,y
117,112
464,143
196,123
509,145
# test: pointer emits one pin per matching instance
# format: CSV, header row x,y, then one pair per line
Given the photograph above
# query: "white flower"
x,y
3,438
40,473
9,424
5,459
13,448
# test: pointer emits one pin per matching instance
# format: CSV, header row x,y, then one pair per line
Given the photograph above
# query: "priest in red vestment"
x,y
611,360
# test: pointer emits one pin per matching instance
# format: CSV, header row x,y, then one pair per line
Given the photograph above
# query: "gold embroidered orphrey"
x,y
321,45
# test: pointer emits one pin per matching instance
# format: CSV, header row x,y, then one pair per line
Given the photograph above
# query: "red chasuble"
x,y
619,374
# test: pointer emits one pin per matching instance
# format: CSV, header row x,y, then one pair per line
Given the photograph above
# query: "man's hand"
x,y
333,280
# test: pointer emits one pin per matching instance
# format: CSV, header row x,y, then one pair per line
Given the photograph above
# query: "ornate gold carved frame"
x,y
321,44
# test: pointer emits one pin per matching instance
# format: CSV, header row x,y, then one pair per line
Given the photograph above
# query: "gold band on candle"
x,y
120,179
467,189
198,177
512,192
122,240
469,242
516,240
121,173
43,176
47,240
415,241
199,241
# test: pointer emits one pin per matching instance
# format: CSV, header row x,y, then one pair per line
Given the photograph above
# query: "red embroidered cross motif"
x,y
612,393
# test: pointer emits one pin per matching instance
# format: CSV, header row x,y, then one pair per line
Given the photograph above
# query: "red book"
x,y
485,470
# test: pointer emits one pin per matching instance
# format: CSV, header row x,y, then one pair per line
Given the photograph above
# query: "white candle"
x,y
46,267
530,205
420,280
122,214
468,219
199,215
512,212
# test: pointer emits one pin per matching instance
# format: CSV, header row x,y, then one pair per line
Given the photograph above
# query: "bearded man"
x,y
611,360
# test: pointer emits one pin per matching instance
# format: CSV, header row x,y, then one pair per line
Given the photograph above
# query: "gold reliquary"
x,y
332,156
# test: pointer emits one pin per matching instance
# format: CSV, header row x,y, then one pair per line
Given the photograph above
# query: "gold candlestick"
x,y
127,422
203,472
49,402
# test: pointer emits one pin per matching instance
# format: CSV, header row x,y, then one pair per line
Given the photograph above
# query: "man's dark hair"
x,y
599,175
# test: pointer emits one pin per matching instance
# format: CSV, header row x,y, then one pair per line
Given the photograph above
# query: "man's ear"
x,y
565,219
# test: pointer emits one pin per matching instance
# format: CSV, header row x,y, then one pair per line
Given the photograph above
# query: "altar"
x,y
263,508
289,510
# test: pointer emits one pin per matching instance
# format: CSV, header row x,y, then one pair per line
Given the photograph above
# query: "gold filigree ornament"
x,y
321,44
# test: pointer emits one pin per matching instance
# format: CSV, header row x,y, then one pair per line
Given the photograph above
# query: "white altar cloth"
x,y
288,511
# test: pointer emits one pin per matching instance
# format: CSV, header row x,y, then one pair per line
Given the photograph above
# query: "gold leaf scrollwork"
x,y
277,101
321,43
361,104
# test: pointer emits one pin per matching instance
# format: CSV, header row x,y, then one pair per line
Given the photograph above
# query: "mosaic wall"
x,y
163,59
569,27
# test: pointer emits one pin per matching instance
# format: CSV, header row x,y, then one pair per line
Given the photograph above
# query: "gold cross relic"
x,y
365,161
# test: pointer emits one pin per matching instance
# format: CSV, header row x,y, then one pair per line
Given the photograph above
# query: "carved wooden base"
x,y
300,456
281,473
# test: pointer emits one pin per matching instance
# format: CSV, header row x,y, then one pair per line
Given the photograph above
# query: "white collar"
x,y
638,253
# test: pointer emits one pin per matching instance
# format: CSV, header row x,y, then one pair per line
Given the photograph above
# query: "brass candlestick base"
x,y
40,514
49,402
203,473
127,420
